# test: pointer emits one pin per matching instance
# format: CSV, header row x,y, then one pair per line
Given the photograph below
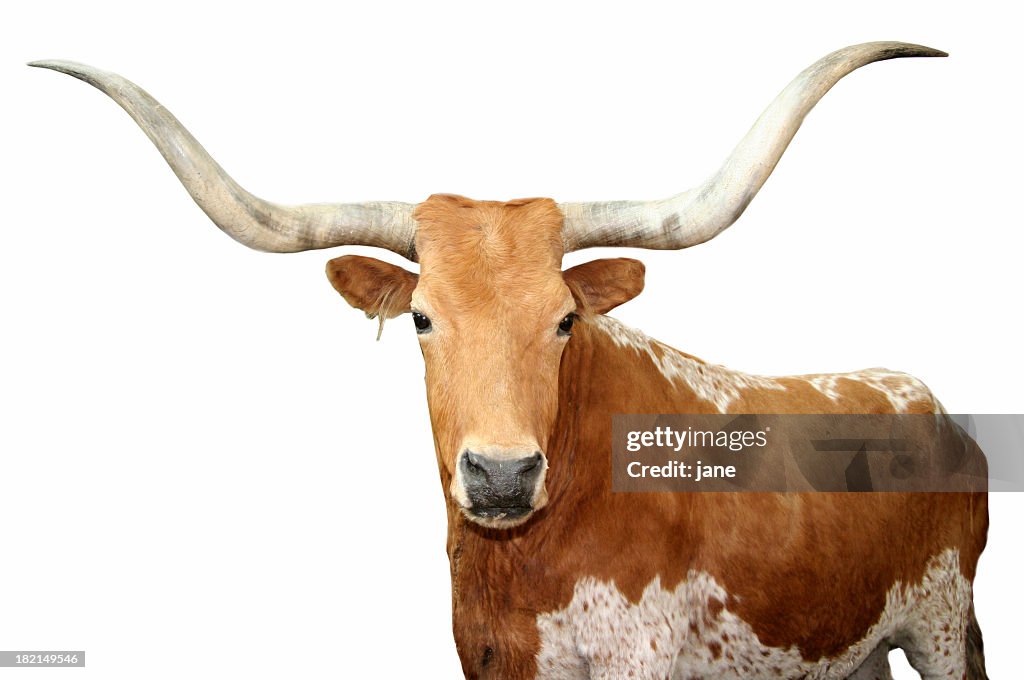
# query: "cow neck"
x,y
509,576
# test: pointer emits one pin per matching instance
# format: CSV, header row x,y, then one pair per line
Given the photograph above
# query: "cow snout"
x,y
501,488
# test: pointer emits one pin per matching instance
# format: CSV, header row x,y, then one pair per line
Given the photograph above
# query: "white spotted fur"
x,y
721,386
900,389
710,382
600,635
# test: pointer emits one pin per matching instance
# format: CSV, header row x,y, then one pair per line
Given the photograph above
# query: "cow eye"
x,y
565,327
421,322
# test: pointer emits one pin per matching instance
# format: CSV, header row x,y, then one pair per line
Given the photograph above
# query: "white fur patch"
x,y
721,386
899,388
684,633
712,383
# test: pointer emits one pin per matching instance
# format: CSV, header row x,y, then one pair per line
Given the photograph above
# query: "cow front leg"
x,y
975,650
951,646
942,641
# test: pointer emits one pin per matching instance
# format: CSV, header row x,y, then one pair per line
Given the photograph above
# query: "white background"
x,y
208,468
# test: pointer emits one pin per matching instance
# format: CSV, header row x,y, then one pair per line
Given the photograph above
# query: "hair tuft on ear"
x,y
385,311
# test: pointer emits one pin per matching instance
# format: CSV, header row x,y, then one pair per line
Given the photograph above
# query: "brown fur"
x,y
810,570
599,286
380,289
804,570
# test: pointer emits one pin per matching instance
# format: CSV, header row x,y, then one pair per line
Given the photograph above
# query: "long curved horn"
x,y
248,219
700,214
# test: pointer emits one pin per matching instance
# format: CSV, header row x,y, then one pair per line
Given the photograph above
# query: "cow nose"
x,y
501,487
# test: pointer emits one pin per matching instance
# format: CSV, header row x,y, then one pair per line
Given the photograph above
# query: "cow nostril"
x,y
532,462
473,463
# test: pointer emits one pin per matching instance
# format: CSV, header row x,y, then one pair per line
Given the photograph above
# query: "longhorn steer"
x,y
553,575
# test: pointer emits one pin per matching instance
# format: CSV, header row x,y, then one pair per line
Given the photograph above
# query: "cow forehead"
x,y
480,247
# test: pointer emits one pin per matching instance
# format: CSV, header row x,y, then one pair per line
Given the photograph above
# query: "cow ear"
x,y
380,289
602,285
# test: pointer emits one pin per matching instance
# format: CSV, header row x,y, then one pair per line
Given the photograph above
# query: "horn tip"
x,y
912,50
83,72
69,67
890,49
44,63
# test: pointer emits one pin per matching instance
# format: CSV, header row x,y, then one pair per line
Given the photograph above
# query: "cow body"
x,y
711,585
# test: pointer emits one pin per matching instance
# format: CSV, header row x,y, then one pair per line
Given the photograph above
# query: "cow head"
x,y
493,312
491,306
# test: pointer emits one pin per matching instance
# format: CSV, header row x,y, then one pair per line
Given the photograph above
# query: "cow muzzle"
x,y
500,488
